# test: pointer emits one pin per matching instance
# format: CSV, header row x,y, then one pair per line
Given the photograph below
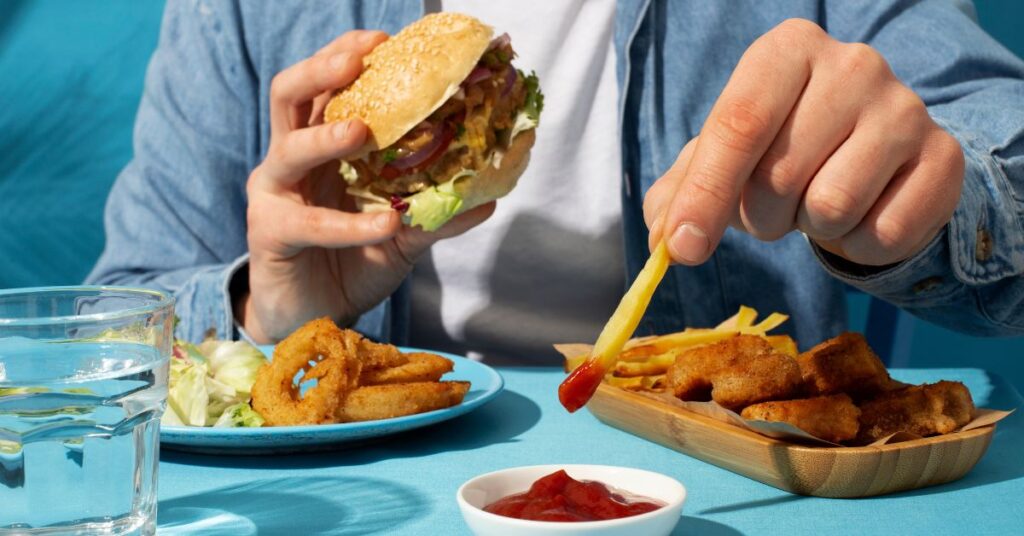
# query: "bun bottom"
x,y
487,185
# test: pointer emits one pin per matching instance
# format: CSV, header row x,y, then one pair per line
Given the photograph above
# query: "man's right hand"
x,y
310,255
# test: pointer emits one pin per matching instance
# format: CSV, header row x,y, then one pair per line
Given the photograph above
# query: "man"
x,y
774,151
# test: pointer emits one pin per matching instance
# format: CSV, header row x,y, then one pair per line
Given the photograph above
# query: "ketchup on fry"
x,y
576,390
559,497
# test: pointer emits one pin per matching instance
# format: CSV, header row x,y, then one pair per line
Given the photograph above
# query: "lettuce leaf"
x,y
433,207
238,415
529,116
235,363
208,380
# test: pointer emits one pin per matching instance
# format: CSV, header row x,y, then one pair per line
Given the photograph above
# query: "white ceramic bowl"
x,y
485,489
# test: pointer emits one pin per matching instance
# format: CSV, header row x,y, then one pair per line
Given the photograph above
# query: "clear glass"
x,y
83,383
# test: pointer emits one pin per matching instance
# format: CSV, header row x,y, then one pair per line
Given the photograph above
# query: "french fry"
x,y
770,322
580,385
688,339
653,366
637,383
783,343
745,317
639,353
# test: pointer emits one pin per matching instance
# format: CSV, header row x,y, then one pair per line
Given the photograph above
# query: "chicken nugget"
x,y
395,400
421,367
689,376
844,364
735,372
925,410
832,418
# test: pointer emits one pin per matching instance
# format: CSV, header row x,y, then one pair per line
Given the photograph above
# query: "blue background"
x,y
72,74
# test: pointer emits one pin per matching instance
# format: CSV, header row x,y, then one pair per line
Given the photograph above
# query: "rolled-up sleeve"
x,y
969,277
175,218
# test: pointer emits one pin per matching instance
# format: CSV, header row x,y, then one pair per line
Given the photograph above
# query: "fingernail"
x,y
338,61
340,130
367,37
382,220
689,244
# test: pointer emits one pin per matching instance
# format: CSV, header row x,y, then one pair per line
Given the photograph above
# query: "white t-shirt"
x,y
547,267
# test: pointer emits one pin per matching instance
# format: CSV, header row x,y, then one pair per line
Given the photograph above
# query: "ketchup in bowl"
x,y
559,497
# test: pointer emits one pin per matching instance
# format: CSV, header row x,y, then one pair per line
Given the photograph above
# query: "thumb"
x,y
702,206
659,196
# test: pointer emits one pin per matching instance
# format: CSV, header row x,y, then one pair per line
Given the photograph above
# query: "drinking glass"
x,y
83,383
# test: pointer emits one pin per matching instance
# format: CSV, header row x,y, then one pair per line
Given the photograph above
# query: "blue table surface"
x,y
406,484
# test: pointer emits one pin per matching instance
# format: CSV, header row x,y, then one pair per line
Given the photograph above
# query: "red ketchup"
x,y
576,390
559,497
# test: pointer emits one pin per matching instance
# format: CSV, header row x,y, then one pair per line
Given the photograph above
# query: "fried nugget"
x,y
421,367
844,364
832,418
925,410
735,372
395,400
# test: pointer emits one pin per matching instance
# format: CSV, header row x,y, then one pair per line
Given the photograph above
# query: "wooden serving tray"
x,y
818,471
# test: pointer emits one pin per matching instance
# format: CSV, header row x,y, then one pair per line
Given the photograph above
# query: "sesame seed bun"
x,y
409,76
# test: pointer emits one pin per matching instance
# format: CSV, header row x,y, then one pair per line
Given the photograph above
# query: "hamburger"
x,y
451,121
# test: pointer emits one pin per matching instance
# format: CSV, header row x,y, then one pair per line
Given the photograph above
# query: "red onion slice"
x,y
510,80
437,139
476,75
399,204
500,41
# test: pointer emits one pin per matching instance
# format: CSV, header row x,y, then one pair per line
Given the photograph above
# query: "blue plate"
x,y
486,383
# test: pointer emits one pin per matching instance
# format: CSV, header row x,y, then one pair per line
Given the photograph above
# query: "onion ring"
x,y
320,351
372,355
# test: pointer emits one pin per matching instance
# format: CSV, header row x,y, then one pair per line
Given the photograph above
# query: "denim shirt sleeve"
x,y
968,278
175,218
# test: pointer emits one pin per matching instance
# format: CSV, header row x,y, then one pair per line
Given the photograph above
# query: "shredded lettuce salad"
x,y
211,384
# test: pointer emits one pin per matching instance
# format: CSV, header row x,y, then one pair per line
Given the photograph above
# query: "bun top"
x,y
409,76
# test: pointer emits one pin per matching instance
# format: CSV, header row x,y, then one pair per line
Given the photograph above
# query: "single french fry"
x,y
637,383
576,390
639,341
770,322
626,369
783,344
729,324
745,317
654,383
639,353
631,383
688,339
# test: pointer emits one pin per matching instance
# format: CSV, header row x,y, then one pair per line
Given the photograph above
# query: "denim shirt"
x,y
176,217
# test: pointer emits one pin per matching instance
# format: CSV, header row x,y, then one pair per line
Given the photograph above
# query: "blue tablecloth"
x,y
406,484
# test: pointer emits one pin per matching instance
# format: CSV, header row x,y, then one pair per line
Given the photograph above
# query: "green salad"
x,y
211,384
